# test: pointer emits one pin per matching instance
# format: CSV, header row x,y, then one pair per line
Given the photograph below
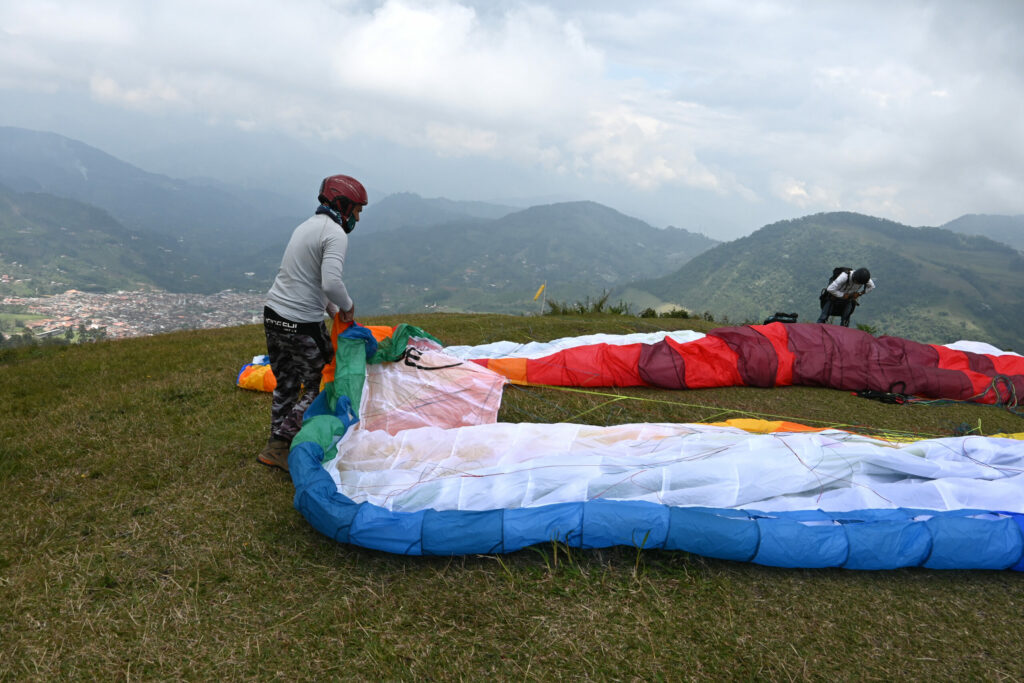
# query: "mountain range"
x,y
72,216
57,243
578,248
208,231
932,284
1006,229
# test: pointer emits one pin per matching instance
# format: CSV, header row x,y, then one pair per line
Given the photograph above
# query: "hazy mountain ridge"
x,y
53,244
411,253
215,227
410,210
578,248
1006,229
933,284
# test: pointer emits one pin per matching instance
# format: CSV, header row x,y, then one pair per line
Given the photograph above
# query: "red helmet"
x,y
337,187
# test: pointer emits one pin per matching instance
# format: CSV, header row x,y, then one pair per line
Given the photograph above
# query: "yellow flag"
x,y
537,295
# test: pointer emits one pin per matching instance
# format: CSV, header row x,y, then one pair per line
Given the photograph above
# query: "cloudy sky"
x,y
714,115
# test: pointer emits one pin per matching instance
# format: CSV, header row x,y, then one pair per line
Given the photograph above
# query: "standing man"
x,y
308,286
842,294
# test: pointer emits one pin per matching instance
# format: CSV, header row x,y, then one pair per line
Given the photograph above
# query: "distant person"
x,y
308,286
842,293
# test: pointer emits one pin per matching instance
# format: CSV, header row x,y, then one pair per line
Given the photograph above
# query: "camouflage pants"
x,y
297,361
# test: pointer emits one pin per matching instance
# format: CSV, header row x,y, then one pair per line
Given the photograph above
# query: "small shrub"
x,y
676,313
588,307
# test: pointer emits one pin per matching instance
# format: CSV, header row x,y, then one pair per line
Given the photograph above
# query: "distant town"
x,y
131,314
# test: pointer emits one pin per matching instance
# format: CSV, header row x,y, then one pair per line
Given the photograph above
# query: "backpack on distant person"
x,y
780,317
836,272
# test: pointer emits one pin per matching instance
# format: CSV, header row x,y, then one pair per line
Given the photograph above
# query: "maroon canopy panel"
x,y
779,354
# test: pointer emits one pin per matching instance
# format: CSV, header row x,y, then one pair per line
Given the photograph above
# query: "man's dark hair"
x,y
861,276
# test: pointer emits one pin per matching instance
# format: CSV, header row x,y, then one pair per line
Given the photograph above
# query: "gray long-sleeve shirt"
x,y
310,274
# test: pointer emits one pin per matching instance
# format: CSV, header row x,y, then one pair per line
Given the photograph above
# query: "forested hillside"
x,y
214,228
933,285
51,244
578,248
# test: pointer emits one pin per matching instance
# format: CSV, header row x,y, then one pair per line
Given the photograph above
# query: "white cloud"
x,y
154,93
907,110
644,151
806,195
87,24
460,141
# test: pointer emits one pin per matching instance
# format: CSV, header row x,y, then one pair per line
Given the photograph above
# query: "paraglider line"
x,y
1011,403
823,480
602,405
724,411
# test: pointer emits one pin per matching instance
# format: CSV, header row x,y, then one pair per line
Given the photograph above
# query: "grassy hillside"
x,y
934,285
141,540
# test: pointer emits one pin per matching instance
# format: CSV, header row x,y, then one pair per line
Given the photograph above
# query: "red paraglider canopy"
x,y
780,354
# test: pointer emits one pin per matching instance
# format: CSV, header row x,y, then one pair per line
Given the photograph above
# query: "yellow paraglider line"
x,y
889,434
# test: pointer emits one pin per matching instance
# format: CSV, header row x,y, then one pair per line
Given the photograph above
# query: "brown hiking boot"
x,y
275,453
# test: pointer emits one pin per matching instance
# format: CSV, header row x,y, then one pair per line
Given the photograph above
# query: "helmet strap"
x,y
331,212
348,224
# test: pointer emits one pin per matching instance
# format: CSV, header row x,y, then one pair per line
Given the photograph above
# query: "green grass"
x,y
11,322
139,539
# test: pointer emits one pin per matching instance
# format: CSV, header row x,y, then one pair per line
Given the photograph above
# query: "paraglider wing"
x,y
457,483
779,354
